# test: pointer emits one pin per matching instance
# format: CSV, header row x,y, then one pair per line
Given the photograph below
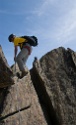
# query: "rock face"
x,y
19,103
56,85
46,96
5,72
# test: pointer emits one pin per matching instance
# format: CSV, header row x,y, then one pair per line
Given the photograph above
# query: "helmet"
x,y
10,37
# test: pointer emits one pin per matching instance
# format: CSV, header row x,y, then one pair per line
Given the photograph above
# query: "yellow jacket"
x,y
18,41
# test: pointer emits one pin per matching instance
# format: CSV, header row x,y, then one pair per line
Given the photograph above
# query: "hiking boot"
x,y
24,73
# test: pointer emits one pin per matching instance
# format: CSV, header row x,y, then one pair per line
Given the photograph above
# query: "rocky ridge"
x,y
46,96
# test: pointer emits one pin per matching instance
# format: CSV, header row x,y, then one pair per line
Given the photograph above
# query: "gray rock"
x,y
56,85
19,103
5,72
46,96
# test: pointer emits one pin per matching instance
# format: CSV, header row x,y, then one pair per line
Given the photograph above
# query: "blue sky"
x,y
52,21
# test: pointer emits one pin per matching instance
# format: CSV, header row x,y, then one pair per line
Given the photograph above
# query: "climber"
x,y
23,55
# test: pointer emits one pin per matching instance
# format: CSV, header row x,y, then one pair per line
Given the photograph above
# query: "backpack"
x,y
32,40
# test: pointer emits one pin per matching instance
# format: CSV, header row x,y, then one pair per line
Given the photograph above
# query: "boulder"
x,y
5,72
19,103
45,96
55,76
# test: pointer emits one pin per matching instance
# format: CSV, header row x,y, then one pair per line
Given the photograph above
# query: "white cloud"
x,y
43,7
66,28
63,27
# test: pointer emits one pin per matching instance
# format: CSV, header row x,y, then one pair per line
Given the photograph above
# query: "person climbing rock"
x,y
23,55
